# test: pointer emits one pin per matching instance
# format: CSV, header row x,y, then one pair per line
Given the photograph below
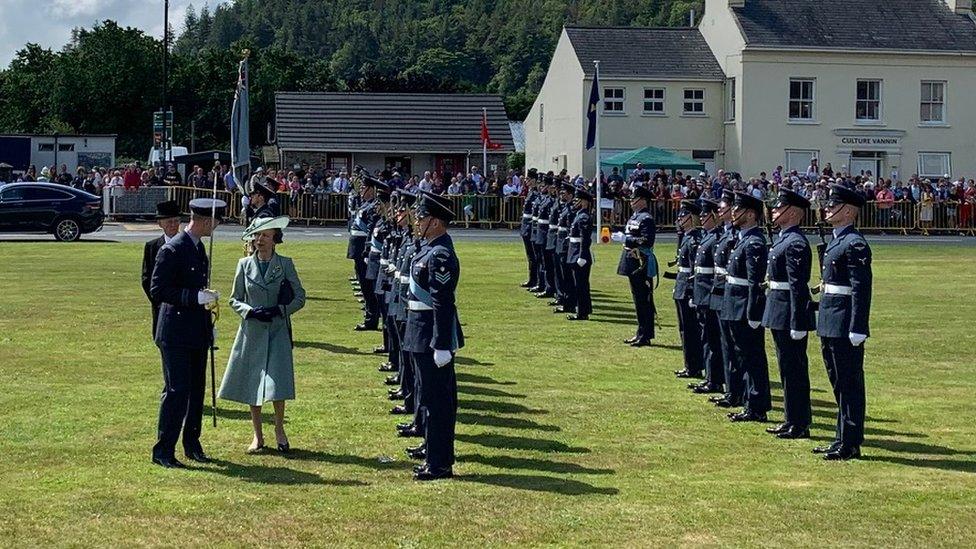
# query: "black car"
x,y
65,212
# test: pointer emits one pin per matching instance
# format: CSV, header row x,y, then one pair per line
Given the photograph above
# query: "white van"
x,y
155,154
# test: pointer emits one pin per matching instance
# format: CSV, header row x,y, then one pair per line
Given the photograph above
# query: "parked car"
x,y
65,212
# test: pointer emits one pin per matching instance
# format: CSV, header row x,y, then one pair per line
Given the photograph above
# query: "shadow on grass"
x,y
619,321
264,474
498,407
511,462
471,361
320,298
493,440
540,483
226,413
961,465
474,378
507,422
345,459
332,348
486,391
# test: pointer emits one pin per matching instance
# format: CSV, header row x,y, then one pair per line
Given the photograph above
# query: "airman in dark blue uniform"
x,y
433,333
360,234
579,257
184,333
565,287
845,307
553,269
639,264
684,282
408,246
525,229
263,203
375,270
704,283
744,304
540,228
726,242
789,313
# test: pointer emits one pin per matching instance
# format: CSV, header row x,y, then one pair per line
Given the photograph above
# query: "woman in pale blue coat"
x,y
260,368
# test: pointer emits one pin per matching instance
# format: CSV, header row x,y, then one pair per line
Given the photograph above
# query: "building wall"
x,y
98,151
419,162
900,135
721,33
561,103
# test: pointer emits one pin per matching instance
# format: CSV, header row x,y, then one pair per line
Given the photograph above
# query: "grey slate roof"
x,y
389,122
856,24
642,52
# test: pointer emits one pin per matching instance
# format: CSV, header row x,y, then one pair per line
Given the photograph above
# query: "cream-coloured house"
x,y
868,85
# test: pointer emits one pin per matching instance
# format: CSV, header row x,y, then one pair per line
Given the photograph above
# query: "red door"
x,y
449,165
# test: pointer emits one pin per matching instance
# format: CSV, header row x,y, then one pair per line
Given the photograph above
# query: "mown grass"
x,y
565,437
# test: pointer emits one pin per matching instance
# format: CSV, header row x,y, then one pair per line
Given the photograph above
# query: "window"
x,y
694,101
933,102
730,99
799,160
613,100
45,147
934,164
45,194
802,98
542,110
66,147
653,100
868,104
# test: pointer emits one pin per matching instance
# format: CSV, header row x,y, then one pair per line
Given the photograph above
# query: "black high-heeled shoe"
x,y
284,448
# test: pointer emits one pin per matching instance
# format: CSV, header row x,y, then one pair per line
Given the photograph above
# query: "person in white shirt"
x,y
511,188
454,187
516,180
341,183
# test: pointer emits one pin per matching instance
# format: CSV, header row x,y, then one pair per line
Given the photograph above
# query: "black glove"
x,y
261,314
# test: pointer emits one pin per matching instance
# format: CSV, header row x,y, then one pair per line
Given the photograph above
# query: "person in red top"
x,y
885,199
131,179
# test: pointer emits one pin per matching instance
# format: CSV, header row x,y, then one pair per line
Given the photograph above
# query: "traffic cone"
x,y
605,235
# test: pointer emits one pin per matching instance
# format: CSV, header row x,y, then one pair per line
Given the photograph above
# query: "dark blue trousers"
x,y
794,373
181,402
690,336
733,377
532,262
438,400
582,300
749,346
845,370
643,296
711,339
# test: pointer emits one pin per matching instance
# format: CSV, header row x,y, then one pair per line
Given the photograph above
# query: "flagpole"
x,y
213,317
596,141
484,149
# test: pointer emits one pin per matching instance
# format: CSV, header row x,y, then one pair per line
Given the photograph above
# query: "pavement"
x,y
142,231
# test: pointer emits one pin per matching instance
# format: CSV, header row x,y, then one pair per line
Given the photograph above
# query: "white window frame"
x,y
610,98
662,101
730,99
801,100
947,156
693,101
808,153
879,100
923,103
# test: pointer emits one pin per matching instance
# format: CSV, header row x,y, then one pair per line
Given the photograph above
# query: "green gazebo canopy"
x,y
652,158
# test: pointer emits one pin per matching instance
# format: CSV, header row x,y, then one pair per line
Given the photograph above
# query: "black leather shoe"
x,y
411,432
364,328
706,389
198,457
526,285
832,447
433,474
794,433
641,343
361,300
748,416
781,428
352,279
843,453
420,467
397,395
284,448
687,374
544,295
558,310
400,410
392,380
169,463
718,398
358,294
418,452
380,350
725,403
386,367
401,426
554,303
578,317
534,290
631,340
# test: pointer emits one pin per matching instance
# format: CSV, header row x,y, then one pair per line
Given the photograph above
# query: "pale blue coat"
x,y
260,368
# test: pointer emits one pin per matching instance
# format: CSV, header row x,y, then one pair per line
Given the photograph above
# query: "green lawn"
x,y
565,436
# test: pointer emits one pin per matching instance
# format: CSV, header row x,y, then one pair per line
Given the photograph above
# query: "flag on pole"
x,y
485,138
592,112
240,141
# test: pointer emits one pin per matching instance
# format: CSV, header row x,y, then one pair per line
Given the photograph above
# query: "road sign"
x,y
158,121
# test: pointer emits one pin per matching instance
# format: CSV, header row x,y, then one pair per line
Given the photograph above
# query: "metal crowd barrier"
x,y
491,212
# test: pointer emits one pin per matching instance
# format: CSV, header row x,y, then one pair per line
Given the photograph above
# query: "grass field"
x,y
565,436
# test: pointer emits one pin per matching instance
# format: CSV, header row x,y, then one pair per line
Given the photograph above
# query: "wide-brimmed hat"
x,y
264,224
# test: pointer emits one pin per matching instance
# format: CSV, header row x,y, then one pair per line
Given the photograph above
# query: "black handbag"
x,y
286,294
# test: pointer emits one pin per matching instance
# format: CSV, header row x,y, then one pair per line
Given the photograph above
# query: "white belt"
x,y
563,229
705,270
534,218
837,290
776,285
418,306
736,281
355,232
374,249
575,239
684,269
543,222
722,271
404,279
396,273
526,216
384,262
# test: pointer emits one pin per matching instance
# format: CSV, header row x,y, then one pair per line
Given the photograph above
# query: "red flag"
x,y
485,138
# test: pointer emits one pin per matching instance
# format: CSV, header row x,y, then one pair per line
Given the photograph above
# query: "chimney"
x,y
691,18
742,3
962,7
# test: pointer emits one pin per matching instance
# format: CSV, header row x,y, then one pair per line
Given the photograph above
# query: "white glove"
x,y
753,324
245,201
856,339
206,297
797,335
617,237
691,303
581,262
442,358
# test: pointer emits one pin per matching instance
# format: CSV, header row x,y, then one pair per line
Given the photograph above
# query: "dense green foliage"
x,y
108,79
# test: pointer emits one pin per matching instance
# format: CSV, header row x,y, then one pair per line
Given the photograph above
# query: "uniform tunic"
x,y
639,264
578,247
709,328
683,299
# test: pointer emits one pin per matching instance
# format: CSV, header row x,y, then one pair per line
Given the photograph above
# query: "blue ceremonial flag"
x,y
592,112
240,141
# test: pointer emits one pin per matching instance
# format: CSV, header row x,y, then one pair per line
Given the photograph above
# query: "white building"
x,y
89,151
879,85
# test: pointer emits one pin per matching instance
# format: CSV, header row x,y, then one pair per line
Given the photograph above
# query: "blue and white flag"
x,y
240,141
